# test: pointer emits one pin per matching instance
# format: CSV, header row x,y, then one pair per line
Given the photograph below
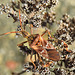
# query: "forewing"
x,y
47,45
40,50
53,54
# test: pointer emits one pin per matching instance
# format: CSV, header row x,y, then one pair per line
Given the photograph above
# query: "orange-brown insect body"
x,y
44,48
41,46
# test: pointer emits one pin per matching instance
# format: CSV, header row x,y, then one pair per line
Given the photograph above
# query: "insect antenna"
x,y
14,31
23,32
9,33
20,20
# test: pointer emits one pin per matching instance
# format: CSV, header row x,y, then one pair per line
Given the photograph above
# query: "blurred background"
x,y
11,59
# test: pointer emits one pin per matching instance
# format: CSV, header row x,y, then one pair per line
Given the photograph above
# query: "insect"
x,y
39,44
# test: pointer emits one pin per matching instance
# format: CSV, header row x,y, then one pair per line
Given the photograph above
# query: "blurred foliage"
x,y
8,43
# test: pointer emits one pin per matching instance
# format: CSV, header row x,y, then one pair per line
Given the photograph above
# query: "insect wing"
x,y
47,45
53,54
40,50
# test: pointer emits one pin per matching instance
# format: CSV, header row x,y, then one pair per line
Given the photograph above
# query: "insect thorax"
x,y
32,37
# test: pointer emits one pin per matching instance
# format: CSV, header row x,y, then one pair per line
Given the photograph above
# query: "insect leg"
x,y
39,58
31,28
46,31
65,46
35,57
47,64
32,60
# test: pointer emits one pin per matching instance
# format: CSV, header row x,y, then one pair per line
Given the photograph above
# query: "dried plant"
x,y
40,13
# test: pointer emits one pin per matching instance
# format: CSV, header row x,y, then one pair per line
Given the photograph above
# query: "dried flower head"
x,y
66,30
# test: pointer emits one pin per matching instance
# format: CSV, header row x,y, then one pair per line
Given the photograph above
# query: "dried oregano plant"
x,y
40,13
